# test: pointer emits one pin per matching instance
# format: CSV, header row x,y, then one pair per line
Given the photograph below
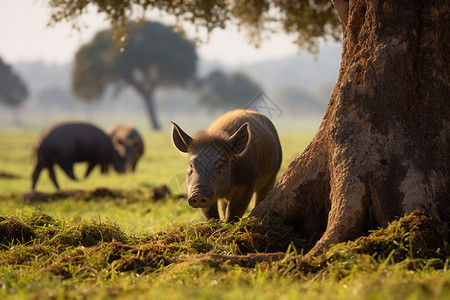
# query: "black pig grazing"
x,y
128,143
69,142
237,156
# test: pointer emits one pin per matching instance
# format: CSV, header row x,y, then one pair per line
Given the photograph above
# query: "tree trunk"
x,y
382,149
151,110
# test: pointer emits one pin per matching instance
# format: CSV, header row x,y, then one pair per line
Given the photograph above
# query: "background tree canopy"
x,y
219,90
155,56
308,21
13,91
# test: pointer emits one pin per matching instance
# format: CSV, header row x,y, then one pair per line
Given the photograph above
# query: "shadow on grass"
x,y
154,193
7,175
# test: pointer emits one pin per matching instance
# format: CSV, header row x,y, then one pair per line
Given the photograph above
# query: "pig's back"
x,y
264,149
75,141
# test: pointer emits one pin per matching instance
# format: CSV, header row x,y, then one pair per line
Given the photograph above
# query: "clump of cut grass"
x,y
92,248
109,257
415,240
12,231
89,234
416,235
136,258
100,245
249,235
23,254
31,225
38,219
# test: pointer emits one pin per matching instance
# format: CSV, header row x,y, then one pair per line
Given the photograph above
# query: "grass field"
x,y
162,164
127,245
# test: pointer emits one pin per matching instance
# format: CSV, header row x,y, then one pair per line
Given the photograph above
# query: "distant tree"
x,y
56,97
13,91
219,90
154,56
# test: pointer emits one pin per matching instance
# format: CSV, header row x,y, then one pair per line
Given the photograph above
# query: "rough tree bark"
x,y
382,149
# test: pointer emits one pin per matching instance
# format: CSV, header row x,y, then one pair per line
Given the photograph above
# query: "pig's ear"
x,y
131,142
180,138
239,139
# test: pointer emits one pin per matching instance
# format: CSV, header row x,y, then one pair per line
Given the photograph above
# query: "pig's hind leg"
x,y
42,163
66,163
90,167
133,164
68,169
36,173
51,174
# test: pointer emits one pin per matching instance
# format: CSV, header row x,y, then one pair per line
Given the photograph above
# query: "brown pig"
x,y
128,143
237,156
69,142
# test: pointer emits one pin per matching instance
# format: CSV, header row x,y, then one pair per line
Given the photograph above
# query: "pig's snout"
x,y
198,200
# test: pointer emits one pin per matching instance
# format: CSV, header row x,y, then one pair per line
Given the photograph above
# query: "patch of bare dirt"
x,y
136,258
158,192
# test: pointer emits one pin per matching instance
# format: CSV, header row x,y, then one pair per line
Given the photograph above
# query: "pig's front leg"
x,y
211,213
240,197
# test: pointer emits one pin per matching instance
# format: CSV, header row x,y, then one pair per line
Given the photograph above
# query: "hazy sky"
x,y
24,36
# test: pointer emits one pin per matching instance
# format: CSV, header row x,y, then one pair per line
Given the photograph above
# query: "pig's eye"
x,y
190,169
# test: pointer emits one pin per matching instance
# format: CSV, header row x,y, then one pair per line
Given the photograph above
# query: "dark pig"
x,y
237,156
128,143
66,143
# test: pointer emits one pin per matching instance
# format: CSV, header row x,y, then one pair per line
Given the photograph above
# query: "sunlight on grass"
x,y
121,242
161,164
97,260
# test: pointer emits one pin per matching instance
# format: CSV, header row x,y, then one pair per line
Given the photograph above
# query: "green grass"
x,y
94,259
125,244
162,163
